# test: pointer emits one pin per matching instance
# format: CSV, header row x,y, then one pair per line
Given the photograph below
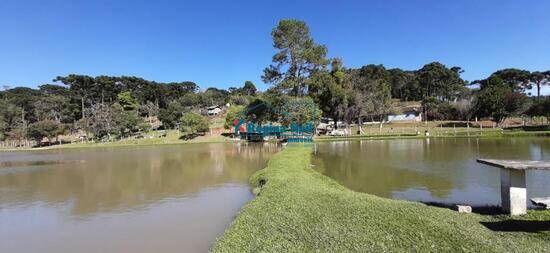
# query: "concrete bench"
x,y
513,187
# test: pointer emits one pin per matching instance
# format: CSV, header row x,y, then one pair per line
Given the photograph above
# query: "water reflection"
x,y
440,170
117,179
190,190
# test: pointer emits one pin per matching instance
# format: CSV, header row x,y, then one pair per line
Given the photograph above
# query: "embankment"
x,y
300,210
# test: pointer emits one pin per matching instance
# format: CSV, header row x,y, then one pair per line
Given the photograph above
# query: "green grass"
x,y
172,137
300,210
489,133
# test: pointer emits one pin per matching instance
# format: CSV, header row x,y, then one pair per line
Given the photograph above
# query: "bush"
x,y
193,124
171,115
126,122
541,108
44,129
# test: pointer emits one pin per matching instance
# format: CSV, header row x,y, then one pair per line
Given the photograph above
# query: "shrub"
x,y
193,124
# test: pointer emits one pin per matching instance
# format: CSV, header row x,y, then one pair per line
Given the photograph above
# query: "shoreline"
x,y
220,139
298,209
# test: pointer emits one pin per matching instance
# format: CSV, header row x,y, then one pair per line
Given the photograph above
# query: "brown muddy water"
x,y
152,199
431,170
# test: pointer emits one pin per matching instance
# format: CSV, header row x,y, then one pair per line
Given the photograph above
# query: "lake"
x,y
431,170
177,198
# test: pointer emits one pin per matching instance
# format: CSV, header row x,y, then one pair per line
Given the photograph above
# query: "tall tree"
x,y
329,91
404,85
80,85
540,79
249,88
297,58
515,79
371,92
436,80
498,100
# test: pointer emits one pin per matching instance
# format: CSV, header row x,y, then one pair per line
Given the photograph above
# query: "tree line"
x,y
106,107
302,69
111,107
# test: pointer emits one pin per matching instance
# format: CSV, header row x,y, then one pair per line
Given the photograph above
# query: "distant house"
x,y
412,113
213,110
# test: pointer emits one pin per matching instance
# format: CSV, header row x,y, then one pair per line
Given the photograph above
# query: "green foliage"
x,y
370,92
540,108
515,79
260,111
192,124
249,88
127,101
300,110
298,57
11,115
170,116
404,85
55,107
24,99
214,96
240,100
299,67
125,122
234,113
3,129
44,129
191,100
498,100
443,110
329,92
436,80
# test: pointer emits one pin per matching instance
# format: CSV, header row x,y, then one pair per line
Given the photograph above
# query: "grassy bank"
x,y
172,137
299,210
449,134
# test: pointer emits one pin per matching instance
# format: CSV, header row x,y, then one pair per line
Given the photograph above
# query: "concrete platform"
x,y
513,187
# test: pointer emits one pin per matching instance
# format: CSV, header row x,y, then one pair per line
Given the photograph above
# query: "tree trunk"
x,y
360,122
538,92
82,107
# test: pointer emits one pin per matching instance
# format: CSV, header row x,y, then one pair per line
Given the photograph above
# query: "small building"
x,y
213,110
413,114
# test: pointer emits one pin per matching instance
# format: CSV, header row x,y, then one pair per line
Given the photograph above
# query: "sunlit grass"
x,y
301,210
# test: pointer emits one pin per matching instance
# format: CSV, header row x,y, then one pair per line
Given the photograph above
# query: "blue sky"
x,y
224,43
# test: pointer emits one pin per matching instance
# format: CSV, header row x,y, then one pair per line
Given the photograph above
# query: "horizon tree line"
x,y
108,107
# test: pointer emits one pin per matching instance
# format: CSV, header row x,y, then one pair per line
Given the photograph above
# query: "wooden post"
x,y
454,129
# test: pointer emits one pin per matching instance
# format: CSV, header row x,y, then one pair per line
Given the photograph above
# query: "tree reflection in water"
x,y
431,170
105,180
